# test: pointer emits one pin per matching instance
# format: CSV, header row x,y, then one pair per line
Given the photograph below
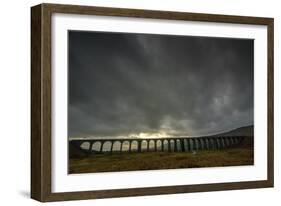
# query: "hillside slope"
x,y
241,131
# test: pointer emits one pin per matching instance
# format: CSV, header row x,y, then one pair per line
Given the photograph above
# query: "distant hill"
x,y
241,131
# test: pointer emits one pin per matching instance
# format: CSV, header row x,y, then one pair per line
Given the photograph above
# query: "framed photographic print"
x,y
132,102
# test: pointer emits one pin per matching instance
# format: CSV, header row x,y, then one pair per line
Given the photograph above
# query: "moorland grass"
x,y
161,160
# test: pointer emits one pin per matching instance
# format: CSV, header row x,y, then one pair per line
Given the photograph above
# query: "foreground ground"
x,y
161,160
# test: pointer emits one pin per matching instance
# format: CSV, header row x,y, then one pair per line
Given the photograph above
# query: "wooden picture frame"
x,y
41,171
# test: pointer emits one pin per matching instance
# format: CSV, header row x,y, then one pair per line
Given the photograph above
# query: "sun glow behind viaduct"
x,y
168,144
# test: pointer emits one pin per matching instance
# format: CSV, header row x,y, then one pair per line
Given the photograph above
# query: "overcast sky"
x,y
122,84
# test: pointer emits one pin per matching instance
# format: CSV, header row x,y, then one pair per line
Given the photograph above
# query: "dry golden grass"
x,y
161,160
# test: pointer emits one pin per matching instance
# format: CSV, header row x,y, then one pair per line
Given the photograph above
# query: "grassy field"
x,y
161,160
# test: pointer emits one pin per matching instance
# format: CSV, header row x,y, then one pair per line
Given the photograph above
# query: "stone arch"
x,y
194,144
106,146
159,145
231,141
144,145
85,145
151,145
178,145
186,145
182,145
96,147
238,140
217,142
211,143
165,145
134,145
199,142
227,142
202,142
191,144
116,146
125,146
222,142
172,145
234,140
206,144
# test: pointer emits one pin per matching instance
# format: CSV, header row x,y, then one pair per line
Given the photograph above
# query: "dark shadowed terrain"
x,y
161,160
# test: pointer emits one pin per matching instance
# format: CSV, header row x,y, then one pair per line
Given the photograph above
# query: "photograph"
x,y
139,101
133,102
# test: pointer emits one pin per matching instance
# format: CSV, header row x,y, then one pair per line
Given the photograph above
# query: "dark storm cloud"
x,y
121,84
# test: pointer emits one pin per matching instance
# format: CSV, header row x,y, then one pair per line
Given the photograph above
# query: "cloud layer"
x,y
122,84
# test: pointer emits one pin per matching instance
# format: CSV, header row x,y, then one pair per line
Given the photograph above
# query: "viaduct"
x,y
169,144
